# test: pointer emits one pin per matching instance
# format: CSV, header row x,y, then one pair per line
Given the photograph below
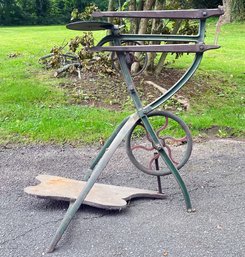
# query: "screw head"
x,y
201,47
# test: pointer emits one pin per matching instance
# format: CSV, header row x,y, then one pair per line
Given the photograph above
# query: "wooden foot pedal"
x,y
101,195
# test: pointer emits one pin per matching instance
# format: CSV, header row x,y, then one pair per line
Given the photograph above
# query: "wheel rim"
x,y
173,134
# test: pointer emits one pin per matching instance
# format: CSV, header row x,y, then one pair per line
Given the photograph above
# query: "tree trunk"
x,y
133,23
110,8
227,7
143,29
163,57
156,28
238,10
144,21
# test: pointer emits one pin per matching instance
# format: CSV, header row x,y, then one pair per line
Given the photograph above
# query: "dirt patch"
x,y
109,91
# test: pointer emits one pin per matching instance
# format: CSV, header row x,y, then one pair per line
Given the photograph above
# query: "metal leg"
x,y
103,149
158,177
156,142
92,179
73,209
178,179
168,162
104,156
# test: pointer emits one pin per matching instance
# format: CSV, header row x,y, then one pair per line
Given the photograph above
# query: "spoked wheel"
x,y
136,61
173,134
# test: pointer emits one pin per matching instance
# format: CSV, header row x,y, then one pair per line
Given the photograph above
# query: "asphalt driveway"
x,y
214,175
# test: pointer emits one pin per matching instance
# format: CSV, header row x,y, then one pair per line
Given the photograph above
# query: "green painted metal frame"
x,y
121,131
199,37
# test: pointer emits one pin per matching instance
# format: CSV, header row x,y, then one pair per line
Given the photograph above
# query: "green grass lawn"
x,y
223,108
33,110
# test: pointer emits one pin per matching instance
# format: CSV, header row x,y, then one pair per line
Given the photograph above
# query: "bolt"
x,y
201,47
204,14
158,147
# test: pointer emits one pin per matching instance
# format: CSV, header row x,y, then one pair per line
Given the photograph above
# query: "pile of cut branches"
x,y
77,58
74,57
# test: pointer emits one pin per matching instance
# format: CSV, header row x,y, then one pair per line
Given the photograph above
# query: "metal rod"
x,y
158,177
149,37
149,129
168,162
167,14
159,184
108,143
91,181
168,48
103,149
178,85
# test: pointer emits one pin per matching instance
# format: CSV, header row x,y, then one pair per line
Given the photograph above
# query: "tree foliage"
x,y
157,26
31,12
141,26
238,10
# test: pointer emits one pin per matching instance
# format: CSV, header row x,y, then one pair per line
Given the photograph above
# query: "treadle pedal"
x,y
101,195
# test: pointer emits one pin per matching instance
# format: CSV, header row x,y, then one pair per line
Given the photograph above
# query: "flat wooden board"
x,y
101,195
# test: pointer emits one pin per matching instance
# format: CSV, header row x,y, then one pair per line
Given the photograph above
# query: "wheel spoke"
x,y
170,155
136,147
179,156
163,127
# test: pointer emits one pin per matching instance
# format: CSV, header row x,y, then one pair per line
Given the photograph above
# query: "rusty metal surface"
x,y
174,14
197,48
